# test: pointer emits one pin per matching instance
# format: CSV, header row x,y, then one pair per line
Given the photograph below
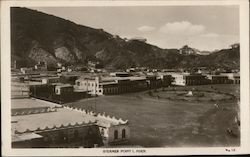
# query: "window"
x,y
116,134
123,133
102,131
76,134
78,83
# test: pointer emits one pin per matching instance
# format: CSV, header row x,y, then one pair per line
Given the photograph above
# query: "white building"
x,y
179,78
48,80
89,84
186,79
233,77
112,129
111,85
26,70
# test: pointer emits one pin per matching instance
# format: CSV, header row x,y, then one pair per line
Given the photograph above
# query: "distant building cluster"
x,y
41,117
187,79
55,86
121,82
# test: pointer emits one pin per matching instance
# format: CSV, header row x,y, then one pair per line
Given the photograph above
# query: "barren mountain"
x,y
36,36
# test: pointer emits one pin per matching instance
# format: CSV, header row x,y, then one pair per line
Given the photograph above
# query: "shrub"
x,y
150,93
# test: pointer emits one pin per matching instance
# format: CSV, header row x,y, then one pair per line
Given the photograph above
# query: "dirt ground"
x,y
169,123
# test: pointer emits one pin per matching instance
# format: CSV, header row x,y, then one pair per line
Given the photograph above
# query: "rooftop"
x,y
108,82
131,78
24,137
178,74
231,74
63,116
63,85
50,119
28,103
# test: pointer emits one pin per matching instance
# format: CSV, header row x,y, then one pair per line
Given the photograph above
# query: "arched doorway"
x,y
116,134
123,133
76,134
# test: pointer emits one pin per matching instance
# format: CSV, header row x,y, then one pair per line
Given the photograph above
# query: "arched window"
x,y
78,83
123,133
62,137
76,134
116,134
102,131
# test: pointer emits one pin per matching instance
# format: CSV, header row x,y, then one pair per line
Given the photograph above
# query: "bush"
x,y
150,93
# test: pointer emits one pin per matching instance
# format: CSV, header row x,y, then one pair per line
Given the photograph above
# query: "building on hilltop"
x,y
141,39
41,66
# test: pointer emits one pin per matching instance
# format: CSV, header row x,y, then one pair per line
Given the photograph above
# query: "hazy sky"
x,y
202,27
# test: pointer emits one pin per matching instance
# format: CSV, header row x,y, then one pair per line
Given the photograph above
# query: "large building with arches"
x,y
41,124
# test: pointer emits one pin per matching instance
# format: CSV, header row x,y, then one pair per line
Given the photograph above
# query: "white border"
x,y
5,73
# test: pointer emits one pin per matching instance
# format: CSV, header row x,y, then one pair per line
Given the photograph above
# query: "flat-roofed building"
x,y
53,127
56,92
153,81
187,79
108,88
42,124
234,78
120,74
166,79
179,79
90,84
41,66
25,70
218,79
64,89
111,85
70,79
48,80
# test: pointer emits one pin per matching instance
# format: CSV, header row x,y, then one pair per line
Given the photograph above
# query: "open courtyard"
x,y
170,118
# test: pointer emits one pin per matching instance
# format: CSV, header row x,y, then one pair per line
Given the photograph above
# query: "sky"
x,y
201,27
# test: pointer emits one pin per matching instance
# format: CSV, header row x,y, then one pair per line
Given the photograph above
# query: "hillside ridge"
x,y
37,36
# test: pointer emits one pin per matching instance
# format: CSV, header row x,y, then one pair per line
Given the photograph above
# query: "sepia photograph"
x,y
126,78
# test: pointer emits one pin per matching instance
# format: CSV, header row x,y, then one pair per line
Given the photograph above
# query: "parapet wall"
x,y
27,111
53,128
111,119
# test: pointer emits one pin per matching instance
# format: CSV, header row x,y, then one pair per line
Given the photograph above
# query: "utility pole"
x,y
95,96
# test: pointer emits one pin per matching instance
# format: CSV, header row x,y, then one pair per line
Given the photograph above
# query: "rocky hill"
x,y
186,50
36,36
